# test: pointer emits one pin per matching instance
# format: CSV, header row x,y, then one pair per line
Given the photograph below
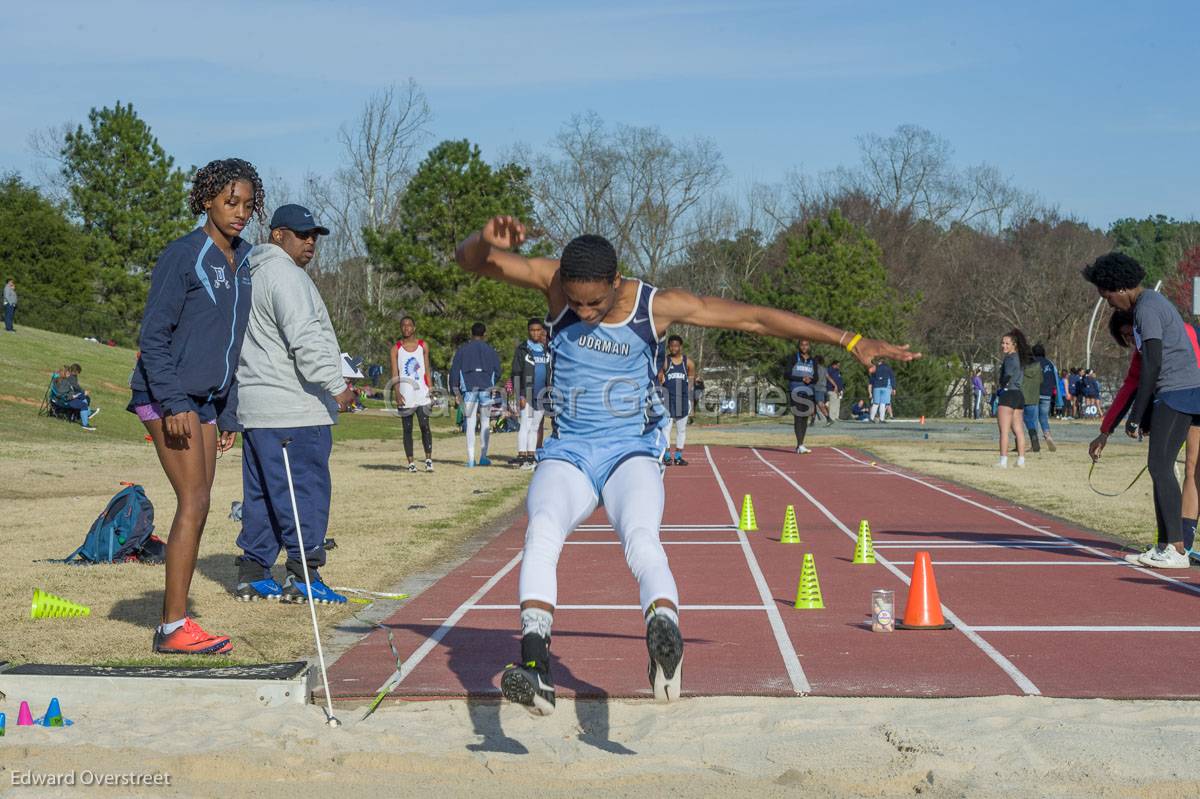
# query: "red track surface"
x,y
1041,606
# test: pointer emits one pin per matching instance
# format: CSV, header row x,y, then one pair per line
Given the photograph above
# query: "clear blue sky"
x,y
1095,106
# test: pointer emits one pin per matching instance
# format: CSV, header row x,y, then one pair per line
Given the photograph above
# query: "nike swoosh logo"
x,y
641,319
542,686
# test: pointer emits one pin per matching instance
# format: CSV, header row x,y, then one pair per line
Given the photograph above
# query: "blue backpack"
x,y
123,529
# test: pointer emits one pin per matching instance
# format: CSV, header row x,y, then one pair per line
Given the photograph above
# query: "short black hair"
x,y
1118,320
1114,272
533,320
1039,351
478,329
407,318
588,258
211,178
675,338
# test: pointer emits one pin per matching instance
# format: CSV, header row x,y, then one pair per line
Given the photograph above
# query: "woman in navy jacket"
x,y
184,387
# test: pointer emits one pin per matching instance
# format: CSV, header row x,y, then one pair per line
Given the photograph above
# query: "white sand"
x,y
731,746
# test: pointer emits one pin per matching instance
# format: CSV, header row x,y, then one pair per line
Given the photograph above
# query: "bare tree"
x,y
633,185
380,148
47,145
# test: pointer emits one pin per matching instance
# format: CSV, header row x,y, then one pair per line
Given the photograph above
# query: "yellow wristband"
x,y
853,342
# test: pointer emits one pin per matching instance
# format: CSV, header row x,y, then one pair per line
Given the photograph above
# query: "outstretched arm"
x,y
677,305
486,252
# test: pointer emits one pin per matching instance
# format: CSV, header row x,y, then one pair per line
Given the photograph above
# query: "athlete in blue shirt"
x,y
608,429
184,383
474,372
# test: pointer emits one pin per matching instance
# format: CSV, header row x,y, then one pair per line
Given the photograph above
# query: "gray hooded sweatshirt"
x,y
291,366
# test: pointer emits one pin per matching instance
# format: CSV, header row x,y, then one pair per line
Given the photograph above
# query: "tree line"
x,y
905,244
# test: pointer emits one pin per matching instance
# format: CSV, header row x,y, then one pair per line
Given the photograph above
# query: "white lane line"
x,y
1195,589
795,671
1080,628
1023,682
414,660
664,543
693,528
623,607
982,544
941,563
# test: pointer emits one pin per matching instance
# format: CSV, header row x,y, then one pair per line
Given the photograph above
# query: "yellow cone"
x,y
864,550
790,534
49,606
808,593
747,524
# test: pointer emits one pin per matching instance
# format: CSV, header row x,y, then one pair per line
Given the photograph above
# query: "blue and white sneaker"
x,y
266,588
295,592
485,461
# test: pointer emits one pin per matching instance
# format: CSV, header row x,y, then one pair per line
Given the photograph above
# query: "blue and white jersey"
x,y
802,368
605,375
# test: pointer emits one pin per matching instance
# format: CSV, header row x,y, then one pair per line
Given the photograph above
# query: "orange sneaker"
x,y
191,639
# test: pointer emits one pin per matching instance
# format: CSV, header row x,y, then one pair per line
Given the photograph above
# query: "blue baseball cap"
x,y
297,218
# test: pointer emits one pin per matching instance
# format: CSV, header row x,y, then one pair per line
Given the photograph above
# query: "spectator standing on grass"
x,y
530,379
10,304
1031,386
474,373
977,393
183,387
290,391
1049,395
883,385
1169,382
410,376
1091,393
1011,401
1075,390
836,386
821,390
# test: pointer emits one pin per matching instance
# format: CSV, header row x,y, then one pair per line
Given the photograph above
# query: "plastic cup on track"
x,y
883,610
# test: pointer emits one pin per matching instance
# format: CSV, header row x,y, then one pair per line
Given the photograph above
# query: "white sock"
x,y
168,627
662,611
536,620
1003,460
1020,461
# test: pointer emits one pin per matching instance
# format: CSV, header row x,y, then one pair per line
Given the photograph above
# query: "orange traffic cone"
x,y
924,609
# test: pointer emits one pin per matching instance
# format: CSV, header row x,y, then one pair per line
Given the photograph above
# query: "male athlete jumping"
x,y
608,429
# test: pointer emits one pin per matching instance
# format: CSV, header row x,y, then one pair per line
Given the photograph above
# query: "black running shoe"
x,y
665,646
528,683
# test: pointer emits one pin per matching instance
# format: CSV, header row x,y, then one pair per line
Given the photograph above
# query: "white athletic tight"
x,y
471,411
531,420
680,431
560,498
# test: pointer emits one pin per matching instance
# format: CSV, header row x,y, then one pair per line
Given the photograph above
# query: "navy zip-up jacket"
x,y
476,367
193,326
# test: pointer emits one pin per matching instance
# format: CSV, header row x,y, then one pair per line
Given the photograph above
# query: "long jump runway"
x,y
1040,607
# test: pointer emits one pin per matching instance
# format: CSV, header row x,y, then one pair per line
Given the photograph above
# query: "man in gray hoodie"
x,y
10,304
290,390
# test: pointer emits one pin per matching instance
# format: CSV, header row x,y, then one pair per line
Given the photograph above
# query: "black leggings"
x,y
1168,434
800,427
422,414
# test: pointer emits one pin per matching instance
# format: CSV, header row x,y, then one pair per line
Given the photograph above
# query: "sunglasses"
x,y
308,235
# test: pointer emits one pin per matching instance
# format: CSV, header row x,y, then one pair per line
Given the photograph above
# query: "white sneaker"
x,y
1002,464
1020,463
1136,557
802,450
1166,558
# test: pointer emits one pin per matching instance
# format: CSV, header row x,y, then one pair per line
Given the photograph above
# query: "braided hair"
x,y
588,258
214,176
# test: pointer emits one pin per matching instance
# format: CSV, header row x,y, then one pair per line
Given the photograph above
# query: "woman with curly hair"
x,y
1010,411
184,387
1169,383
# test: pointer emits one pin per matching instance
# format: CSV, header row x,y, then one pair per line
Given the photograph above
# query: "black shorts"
x,y
1012,398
